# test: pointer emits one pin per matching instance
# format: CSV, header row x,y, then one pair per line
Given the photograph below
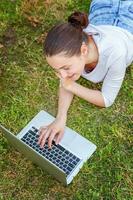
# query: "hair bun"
x,y
79,20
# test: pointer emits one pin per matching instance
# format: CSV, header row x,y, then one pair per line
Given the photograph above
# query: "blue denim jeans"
x,y
112,12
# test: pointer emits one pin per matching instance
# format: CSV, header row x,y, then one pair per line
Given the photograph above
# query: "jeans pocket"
x,y
131,8
100,4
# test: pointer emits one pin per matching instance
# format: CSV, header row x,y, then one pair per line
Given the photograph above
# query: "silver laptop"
x,y
64,160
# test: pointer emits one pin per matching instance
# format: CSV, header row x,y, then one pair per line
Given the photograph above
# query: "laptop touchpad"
x,y
68,137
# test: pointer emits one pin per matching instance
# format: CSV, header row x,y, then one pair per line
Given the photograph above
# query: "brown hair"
x,y
67,37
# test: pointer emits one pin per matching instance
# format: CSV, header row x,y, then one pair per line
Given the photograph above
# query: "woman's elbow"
x,y
108,102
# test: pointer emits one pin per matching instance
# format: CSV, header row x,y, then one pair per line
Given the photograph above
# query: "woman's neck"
x,y
93,55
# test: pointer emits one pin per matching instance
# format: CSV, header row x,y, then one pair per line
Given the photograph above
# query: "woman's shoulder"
x,y
107,38
110,46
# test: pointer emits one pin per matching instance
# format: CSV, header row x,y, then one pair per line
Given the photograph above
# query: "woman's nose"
x,y
63,74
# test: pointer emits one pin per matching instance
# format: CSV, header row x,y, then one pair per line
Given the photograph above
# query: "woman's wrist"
x,y
67,84
62,117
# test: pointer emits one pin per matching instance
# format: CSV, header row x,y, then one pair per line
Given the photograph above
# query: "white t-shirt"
x,y
115,46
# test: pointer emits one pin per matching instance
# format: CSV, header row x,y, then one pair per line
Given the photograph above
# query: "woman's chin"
x,y
76,77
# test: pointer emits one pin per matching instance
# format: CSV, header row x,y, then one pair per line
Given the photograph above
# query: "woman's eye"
x,y
66,68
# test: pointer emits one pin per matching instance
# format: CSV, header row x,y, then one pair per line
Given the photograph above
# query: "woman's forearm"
x,y
65,99
93,96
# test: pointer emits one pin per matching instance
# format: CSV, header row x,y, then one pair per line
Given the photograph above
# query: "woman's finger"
x,y
46,135
42,132
51,137
59,137
41,128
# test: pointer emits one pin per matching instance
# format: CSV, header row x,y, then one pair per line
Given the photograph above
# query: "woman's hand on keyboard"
x,y
55,130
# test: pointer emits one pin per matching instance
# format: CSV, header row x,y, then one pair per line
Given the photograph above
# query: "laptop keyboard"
x,y
58,155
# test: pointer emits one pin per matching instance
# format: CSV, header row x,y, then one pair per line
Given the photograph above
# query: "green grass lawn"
x,y
27,85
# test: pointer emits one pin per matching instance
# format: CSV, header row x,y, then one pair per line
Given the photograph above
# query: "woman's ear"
x,y
84,49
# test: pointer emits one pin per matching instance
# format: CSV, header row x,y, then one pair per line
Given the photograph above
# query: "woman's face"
x,y
67,67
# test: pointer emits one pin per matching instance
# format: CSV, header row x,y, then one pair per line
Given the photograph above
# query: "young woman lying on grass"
x,y
98,49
